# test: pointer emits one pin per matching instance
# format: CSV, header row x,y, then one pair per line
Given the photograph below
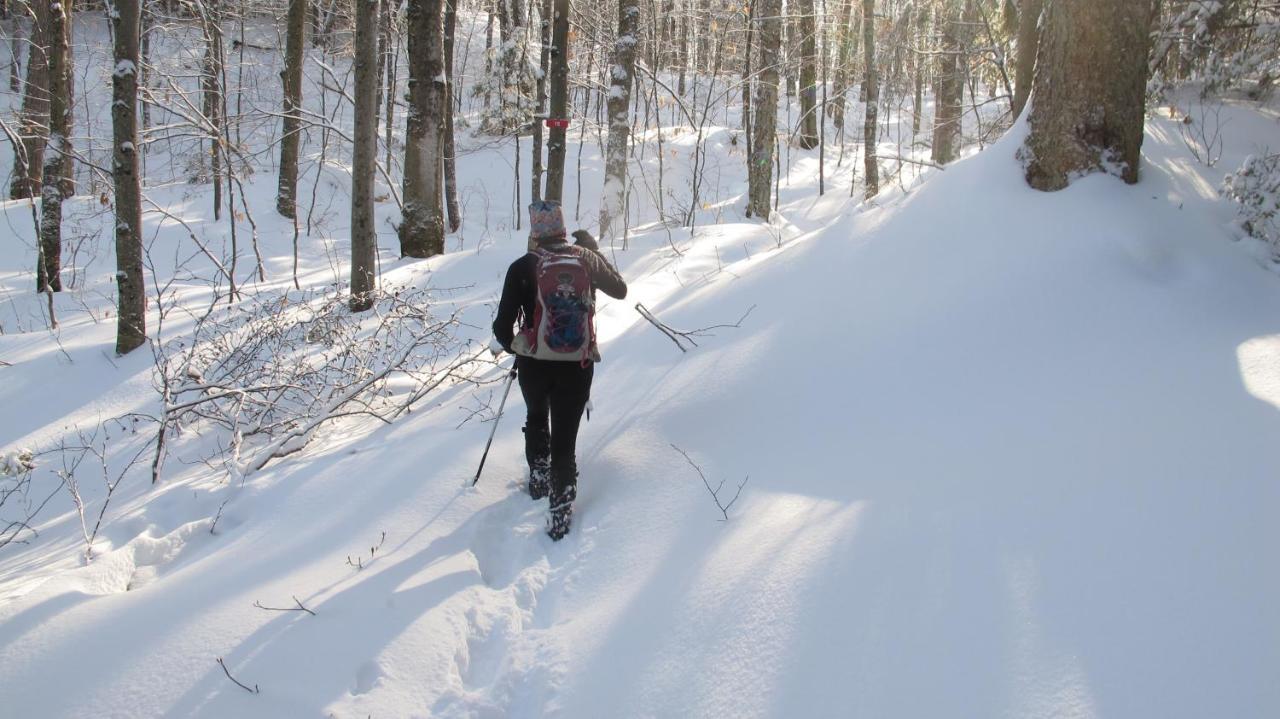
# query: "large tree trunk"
x,y
364,239
287,193
871,83
748,80
1028,43
422,226
131,319
50,261
1090,92
450,146
808,137
621,79
765,125
28,164
949,85
840,77
559,100
921,41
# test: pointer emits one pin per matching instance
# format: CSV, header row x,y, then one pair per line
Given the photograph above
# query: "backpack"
x,y
563,326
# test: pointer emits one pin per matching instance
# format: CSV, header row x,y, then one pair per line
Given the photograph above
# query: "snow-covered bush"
x,y
15,462
1255,187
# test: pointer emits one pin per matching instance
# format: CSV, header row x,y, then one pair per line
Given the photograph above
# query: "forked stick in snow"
x,y
299,608
688,336
226,671
715,493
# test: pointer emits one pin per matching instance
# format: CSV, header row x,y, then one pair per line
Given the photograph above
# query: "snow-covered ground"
x,y
1009,454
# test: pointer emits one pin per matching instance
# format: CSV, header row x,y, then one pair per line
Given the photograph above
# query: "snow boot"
x,y
537,451
540,478
561,513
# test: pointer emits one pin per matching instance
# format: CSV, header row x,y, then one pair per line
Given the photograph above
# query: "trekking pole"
x,y
510,377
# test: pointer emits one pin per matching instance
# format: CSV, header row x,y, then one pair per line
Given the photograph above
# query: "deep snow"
x,y
1010,454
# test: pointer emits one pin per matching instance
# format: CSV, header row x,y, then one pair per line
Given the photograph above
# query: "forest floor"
x,y
1005,454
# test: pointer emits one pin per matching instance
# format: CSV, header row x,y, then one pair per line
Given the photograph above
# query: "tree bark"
x,y
621,79
765,125
949,85
131,318
840,77
540,99
559,100
450,146
808,137
364,238
871,82
50,261
291,77
1089,99
422,226
1028,43
28,164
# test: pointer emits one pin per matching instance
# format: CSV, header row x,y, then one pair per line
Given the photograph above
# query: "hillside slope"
x,y
1009,454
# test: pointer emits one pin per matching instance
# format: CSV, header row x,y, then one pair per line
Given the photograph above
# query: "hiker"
x,y
550,291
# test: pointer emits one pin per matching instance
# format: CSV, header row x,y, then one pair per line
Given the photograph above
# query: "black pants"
x,y
555,391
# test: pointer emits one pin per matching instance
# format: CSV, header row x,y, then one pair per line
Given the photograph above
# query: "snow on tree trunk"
x,y
765,125
291,77
1028,43
559,100
1089,92
422,226
364,240
614,200
450,146
50,262
131,320
871,84
808,137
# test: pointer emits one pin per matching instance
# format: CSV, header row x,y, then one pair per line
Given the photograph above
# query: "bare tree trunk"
x,y
808,137
291,77
1090,92
29,163
748,80
621,79
559,100
871,83
364,238
921,39
450,146
131,319
13,26
212,92
50,265
422,226
1028,43
540,98
840,78
948,86
766,109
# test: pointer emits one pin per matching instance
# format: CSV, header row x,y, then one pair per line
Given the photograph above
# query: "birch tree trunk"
x,y
450,146
422,226
621,79
765,124
291,77
1089,100
131,318
364,239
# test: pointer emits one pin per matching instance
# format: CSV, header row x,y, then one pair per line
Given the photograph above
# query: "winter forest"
x,y
946,381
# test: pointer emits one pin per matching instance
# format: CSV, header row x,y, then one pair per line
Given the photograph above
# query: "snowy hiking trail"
x,y
1010,454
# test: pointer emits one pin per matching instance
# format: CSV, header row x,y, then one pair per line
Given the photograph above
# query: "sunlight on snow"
x,y
1260,368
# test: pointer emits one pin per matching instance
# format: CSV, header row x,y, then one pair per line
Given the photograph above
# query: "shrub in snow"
x,y
15,462
1255,187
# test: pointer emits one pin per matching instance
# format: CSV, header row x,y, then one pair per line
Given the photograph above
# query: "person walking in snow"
x,y
550,292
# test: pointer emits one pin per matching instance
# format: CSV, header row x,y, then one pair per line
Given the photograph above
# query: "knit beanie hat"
x,y
546,221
